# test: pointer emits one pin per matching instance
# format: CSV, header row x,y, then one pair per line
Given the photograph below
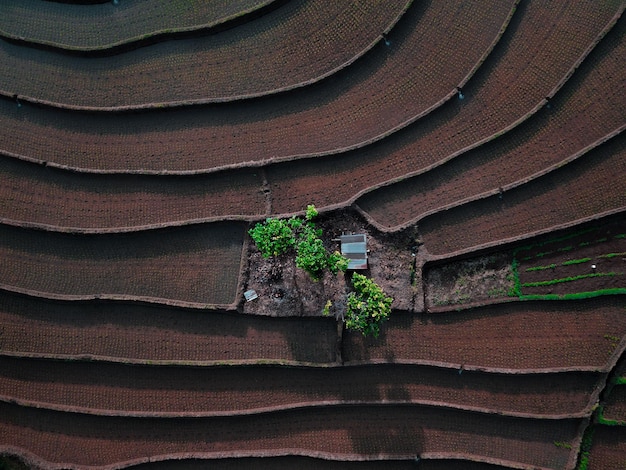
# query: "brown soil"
x,y
506,88
106,387
285,290
518,335
253,58
88,201
608,451
305,463
106,24
615,406
350,110
197,264
483,279
368,431
120,330
578,116
573,192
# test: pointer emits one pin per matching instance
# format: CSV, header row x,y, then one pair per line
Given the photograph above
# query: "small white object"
x,y
250,295
593,266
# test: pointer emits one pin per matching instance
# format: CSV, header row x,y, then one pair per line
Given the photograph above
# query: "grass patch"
x,y
566,279
585,449
613,255
575,261
541,268
575,295
562,445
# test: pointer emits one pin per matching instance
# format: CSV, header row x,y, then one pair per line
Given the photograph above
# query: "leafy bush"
x,y
277,236
311,255
367,306
273,237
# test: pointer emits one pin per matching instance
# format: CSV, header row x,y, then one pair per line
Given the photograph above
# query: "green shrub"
x,y
367,306
311,255
273,237
277,236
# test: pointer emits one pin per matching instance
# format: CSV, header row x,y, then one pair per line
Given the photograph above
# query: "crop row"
x,y
588,108
608,448
196,264
34,194
581,189
146,333
309,463
523,69
350,110
106,25
339,432
565,335
255,58
178,391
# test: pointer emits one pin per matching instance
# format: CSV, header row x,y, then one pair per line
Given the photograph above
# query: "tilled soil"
x,y
343,431
178,391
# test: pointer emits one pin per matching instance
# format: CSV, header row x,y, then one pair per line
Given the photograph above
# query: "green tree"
x,y
367,306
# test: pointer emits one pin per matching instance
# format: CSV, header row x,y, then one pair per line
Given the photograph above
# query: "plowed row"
x,y
588,108
535,54
524,335
175,391
87,201
399,431
573,192
120,330
305,463
196,264
496,337
254,58
608,451
376,95
615,407
101,26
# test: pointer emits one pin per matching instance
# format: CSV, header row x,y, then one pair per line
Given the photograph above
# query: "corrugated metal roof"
x,y
354,247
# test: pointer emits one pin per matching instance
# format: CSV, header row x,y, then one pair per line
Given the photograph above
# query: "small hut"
x,y
354,247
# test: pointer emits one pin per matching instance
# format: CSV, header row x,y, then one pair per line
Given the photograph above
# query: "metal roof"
x,y
354,247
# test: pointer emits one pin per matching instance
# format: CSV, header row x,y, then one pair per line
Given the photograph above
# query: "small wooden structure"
x,y
354,247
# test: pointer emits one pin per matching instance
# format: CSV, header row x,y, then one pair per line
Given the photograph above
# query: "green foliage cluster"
x,y
277,236
273,237
367,306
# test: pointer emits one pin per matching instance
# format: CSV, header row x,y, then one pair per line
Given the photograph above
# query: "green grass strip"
x,y
585,448
516,290
575,261
621,235
566,279
606,421
541,268
613,255
620,381
575,295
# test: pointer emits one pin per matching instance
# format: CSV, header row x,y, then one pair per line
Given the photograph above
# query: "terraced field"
x,y
138,146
